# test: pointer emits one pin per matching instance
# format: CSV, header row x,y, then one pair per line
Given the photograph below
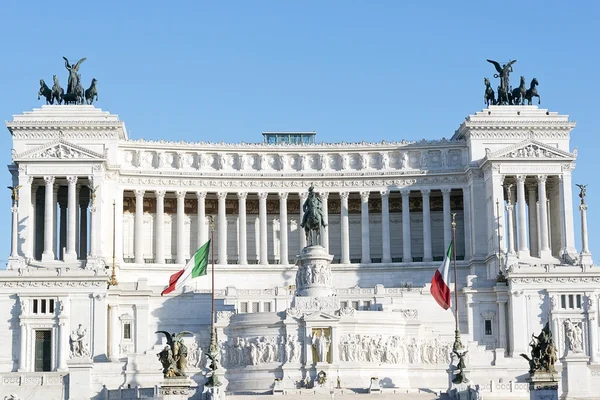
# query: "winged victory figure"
x,y
503,73
174,356
73,70
14,193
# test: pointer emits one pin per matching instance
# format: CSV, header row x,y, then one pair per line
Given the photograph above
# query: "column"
x,y
406,242
592,326
586,256
26,212
447,218
345,231
180,227
23,348
98,339
201,226
115,332
511,233
159,228
364,226
63,339
55,237
14,252
83,224
118,222
48,254
566,203
283,229
222,229
533,233
141,328
467,222
427,256
325,230
385,226
521,217
62,230
72,226
502,324
303,196
543,216
243,249
93,226
138,244
263,257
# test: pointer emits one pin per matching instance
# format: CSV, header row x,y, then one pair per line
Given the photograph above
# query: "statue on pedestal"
x,y
78,347
174,356
313,218
543,352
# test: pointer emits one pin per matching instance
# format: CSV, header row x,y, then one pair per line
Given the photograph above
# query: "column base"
x,y
14,263
545,254
47,256
586,259
70,257
543,385
407,259
365,261
524,253
386,260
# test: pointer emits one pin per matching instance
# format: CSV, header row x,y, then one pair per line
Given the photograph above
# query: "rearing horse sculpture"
x,y
313,220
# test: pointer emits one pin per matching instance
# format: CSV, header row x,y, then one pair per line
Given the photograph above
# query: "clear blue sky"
x,y
351,70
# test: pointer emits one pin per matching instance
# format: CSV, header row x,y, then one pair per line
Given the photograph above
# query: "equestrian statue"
x,y
313,218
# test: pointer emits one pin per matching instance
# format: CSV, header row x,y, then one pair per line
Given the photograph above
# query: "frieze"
x,y
554,279
46,284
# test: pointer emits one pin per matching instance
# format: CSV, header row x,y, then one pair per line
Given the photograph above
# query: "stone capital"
x,y
364,196
324,195
344,195
201,195
446,191
542,178
405,192
221,195
303,195
283,195
49,180
520,179
180,194
242,195
384,194
139,193
72,180
425,192
263,196
160,194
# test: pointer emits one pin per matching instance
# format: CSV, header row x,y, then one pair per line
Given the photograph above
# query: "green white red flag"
x,y
196,267
440,285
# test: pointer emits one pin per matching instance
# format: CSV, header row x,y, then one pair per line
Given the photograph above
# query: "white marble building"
x,y
90,198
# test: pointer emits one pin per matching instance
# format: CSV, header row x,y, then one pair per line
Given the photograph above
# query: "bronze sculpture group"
x,y
313,218
506,94
543,352
75,93
174,355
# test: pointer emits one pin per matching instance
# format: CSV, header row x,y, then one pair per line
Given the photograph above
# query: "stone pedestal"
x,y
178,388
80,378
543,386
215,393
464,391
313,278
577,375
374,387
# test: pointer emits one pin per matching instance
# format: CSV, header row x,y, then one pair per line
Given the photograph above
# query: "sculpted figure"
x,y
574,336
313,218
73,72
174,356
321,345
78,348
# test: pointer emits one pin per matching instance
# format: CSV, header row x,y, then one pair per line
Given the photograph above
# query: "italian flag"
x,y
440,288
194,268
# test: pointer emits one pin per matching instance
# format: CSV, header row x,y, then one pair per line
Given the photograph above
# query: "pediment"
x,y
320,316
59,150
531,149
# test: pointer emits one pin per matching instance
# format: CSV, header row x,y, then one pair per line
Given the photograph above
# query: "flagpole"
x,y
212,291
457,342
213,351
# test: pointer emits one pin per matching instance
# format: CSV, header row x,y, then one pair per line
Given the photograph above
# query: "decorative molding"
x,y
59,149
554,279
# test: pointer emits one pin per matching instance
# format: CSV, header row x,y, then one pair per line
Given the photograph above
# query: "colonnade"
x,y
262,233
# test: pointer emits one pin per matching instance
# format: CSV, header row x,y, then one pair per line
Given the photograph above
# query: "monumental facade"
x,y
89,202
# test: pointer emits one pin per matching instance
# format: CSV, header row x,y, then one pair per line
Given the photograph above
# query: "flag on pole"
x,y
440,288
194,268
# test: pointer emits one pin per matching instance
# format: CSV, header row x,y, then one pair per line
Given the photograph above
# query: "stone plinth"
x,y
80,378
543,385
464,391
577,373
313,278
178,388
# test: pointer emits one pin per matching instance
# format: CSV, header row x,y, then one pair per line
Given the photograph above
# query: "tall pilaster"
x,y
447,218
543,217
345,231
118,222
427,255
222,249
180,227
283,229
14,252
303,196
94,226
63,336
141,327
62,229
159,228
201,223
586,256
522,217
138,244
49,205
115,333
23,347
26,212
385,226
406,239
566,202
509,216
72,226
242,237
325,230
364,225
262,215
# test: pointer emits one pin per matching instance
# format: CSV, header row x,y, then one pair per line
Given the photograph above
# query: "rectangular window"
x,y
43,306
243,308
43,350
563,301
127,331
367,305
571,303
255,306
355,305
488,327
51,306
267,307
578,301
35,306
343,304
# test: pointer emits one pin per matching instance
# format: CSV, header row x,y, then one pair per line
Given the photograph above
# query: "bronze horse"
x,y
91,93
57,91
532,92
518,94
489,97
45,91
